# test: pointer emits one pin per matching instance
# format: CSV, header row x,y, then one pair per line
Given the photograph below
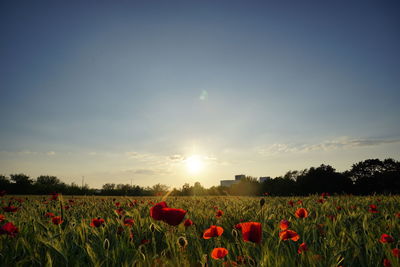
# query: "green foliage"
x,y
348,237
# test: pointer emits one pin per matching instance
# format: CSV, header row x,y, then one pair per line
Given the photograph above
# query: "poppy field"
x,y
322,230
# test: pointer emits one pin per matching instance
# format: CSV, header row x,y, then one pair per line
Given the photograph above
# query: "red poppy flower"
x,y
325,195
302,248
2,217
57,220
128,222
373,209
213,231
301,213
120,211
230,264
219,213
97,222
289,234
173,216
219,253
398,215
160,211
10,209
54,196
156,210
291,203
396,252
386,238
9,229
300,202
387,263
284,224
188,222
49,214
251,231
321,200
117,204
144,241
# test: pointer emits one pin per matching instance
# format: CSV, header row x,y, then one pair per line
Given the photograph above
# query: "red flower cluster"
x,y
251,231
373,209
161,212
57,220
9,229
10,209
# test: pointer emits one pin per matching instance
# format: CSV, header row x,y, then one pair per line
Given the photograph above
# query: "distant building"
x,y
240,177
264,179
228,183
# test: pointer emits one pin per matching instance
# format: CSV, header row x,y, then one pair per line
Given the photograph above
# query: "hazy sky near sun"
x,y
121,90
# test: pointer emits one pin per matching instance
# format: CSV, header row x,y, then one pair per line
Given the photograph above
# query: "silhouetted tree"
x,y
5,183
22,184
375,176
323,179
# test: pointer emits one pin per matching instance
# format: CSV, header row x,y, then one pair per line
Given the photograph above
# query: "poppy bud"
x,y
262,202
182,242
106,244
235,233
251,262
152,228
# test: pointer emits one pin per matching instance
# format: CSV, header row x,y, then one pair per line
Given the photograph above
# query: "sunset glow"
x,y
194,164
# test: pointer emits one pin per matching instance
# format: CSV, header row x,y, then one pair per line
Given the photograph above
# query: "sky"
x,y
182,91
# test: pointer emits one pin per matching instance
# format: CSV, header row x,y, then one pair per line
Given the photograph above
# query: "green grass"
x,y
352,239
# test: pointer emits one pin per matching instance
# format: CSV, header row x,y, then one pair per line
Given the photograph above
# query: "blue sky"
x,y
121,90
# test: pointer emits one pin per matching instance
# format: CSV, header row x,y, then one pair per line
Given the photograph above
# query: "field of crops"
x,y
200,231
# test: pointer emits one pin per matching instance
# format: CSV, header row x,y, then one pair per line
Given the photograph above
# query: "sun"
x,y
194,164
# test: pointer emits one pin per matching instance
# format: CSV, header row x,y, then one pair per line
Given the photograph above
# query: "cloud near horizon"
x,y
340,143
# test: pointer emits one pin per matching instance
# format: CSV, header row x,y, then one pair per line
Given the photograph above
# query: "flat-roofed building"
x,y
239,177
264,179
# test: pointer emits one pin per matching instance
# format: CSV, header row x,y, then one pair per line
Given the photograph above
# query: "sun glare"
x,y
194,164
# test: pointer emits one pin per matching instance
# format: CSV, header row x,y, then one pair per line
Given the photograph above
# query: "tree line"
x,y
371,176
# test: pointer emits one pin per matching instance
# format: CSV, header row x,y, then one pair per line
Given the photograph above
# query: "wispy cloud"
x,y
341,143
148,172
